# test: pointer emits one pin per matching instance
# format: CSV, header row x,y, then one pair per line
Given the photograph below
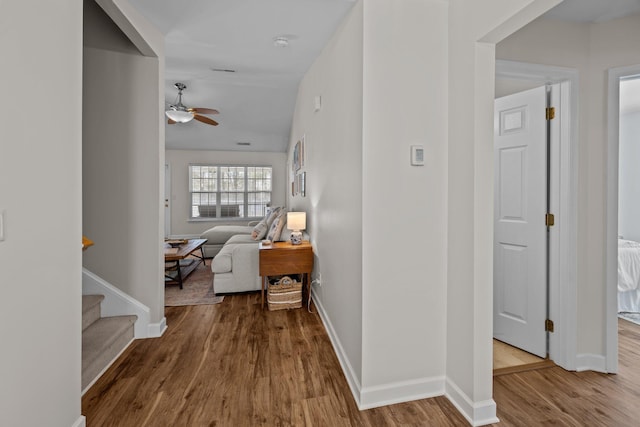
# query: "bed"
x,y
628,276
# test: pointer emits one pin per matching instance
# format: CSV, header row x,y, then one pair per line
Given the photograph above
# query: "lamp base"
x,y
296,237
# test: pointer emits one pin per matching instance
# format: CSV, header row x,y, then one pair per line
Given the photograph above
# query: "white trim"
x,y
97,377
80,422
611,230
167,199
155,330
381,395
476,413
347,369
591,362
401,391
563,272
116,302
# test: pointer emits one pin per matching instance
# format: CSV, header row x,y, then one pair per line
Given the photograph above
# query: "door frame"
x,y
563,295
611,231
167,200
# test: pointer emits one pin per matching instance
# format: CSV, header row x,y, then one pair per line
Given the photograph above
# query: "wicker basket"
x,y
285,294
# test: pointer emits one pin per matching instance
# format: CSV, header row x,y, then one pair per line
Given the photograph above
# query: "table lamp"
x,y
296,221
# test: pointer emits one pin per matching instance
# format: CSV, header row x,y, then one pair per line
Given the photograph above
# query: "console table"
x,y
175,273
282,258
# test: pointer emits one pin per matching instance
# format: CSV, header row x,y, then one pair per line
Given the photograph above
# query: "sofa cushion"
x,y
241,238
221,233
222,261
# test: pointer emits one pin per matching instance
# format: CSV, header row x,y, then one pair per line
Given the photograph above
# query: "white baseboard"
x,y
591,362
80,422
347,369
477,414
399,392
117,303
156,330
387,394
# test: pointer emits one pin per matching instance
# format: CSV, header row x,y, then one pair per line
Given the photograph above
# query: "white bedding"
x,y
628,265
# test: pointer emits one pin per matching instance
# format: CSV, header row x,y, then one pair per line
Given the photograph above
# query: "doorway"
x,y
622,231
513,77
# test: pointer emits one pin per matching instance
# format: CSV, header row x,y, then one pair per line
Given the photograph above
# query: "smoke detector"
x,y
280,41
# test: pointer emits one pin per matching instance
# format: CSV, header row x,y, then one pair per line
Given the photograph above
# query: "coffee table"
x,y
176,271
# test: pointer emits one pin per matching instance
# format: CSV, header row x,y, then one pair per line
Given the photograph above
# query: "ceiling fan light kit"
x,y
179,116
179,113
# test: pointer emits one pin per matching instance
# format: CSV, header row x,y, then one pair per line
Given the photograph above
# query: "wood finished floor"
x,y
232,364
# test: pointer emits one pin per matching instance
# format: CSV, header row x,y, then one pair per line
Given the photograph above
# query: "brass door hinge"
x,y
548,325
550,113
549,220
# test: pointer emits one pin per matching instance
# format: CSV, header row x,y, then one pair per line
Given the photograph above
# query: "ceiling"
x,y
593,10
256,101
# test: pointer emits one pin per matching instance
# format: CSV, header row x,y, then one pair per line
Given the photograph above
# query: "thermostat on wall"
x,y
417,155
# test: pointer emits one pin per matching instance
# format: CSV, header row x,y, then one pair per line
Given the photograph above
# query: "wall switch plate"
x,y
417,155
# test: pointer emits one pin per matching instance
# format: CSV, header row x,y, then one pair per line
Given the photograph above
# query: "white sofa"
x,y
236,266
217,236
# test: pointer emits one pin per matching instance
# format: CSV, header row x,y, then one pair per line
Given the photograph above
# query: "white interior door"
x,y
520,233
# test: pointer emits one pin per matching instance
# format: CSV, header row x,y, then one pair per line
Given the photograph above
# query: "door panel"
x,y
520,234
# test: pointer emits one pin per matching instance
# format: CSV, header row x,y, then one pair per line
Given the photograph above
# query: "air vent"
x,y
243,143
222,70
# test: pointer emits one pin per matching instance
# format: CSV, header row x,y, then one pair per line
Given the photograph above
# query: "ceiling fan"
x,y
178,113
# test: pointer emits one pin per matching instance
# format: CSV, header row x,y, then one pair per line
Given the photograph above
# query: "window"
x,y
222,191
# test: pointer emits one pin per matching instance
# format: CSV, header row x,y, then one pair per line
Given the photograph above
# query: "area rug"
x,y
197,289
631,317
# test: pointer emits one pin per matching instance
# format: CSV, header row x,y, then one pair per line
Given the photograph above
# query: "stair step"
x,y
90,309
102,342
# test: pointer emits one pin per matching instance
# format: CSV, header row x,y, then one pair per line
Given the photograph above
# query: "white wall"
x,y
333,166
40,195
123,155
180,205
591,49
629,177
474,28
404,206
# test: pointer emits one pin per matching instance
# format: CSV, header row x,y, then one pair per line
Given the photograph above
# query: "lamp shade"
x,y
296,221
179,116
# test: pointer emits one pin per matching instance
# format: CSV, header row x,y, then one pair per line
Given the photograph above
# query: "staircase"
x,y
103,338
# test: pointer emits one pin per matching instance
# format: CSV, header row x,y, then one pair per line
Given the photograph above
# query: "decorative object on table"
x,y
296,221
284,294
174,243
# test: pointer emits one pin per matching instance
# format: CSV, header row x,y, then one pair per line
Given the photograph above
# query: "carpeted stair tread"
x,y
90,309
102,342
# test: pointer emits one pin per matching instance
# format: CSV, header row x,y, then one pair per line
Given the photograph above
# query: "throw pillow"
x,y
277,226
259,231
261,228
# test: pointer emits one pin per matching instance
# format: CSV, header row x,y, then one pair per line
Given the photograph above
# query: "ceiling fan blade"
x,y
204,119
171,122
204,110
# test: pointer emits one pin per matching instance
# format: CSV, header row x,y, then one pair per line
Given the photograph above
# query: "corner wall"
x,y
333,202
40,197
123,152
